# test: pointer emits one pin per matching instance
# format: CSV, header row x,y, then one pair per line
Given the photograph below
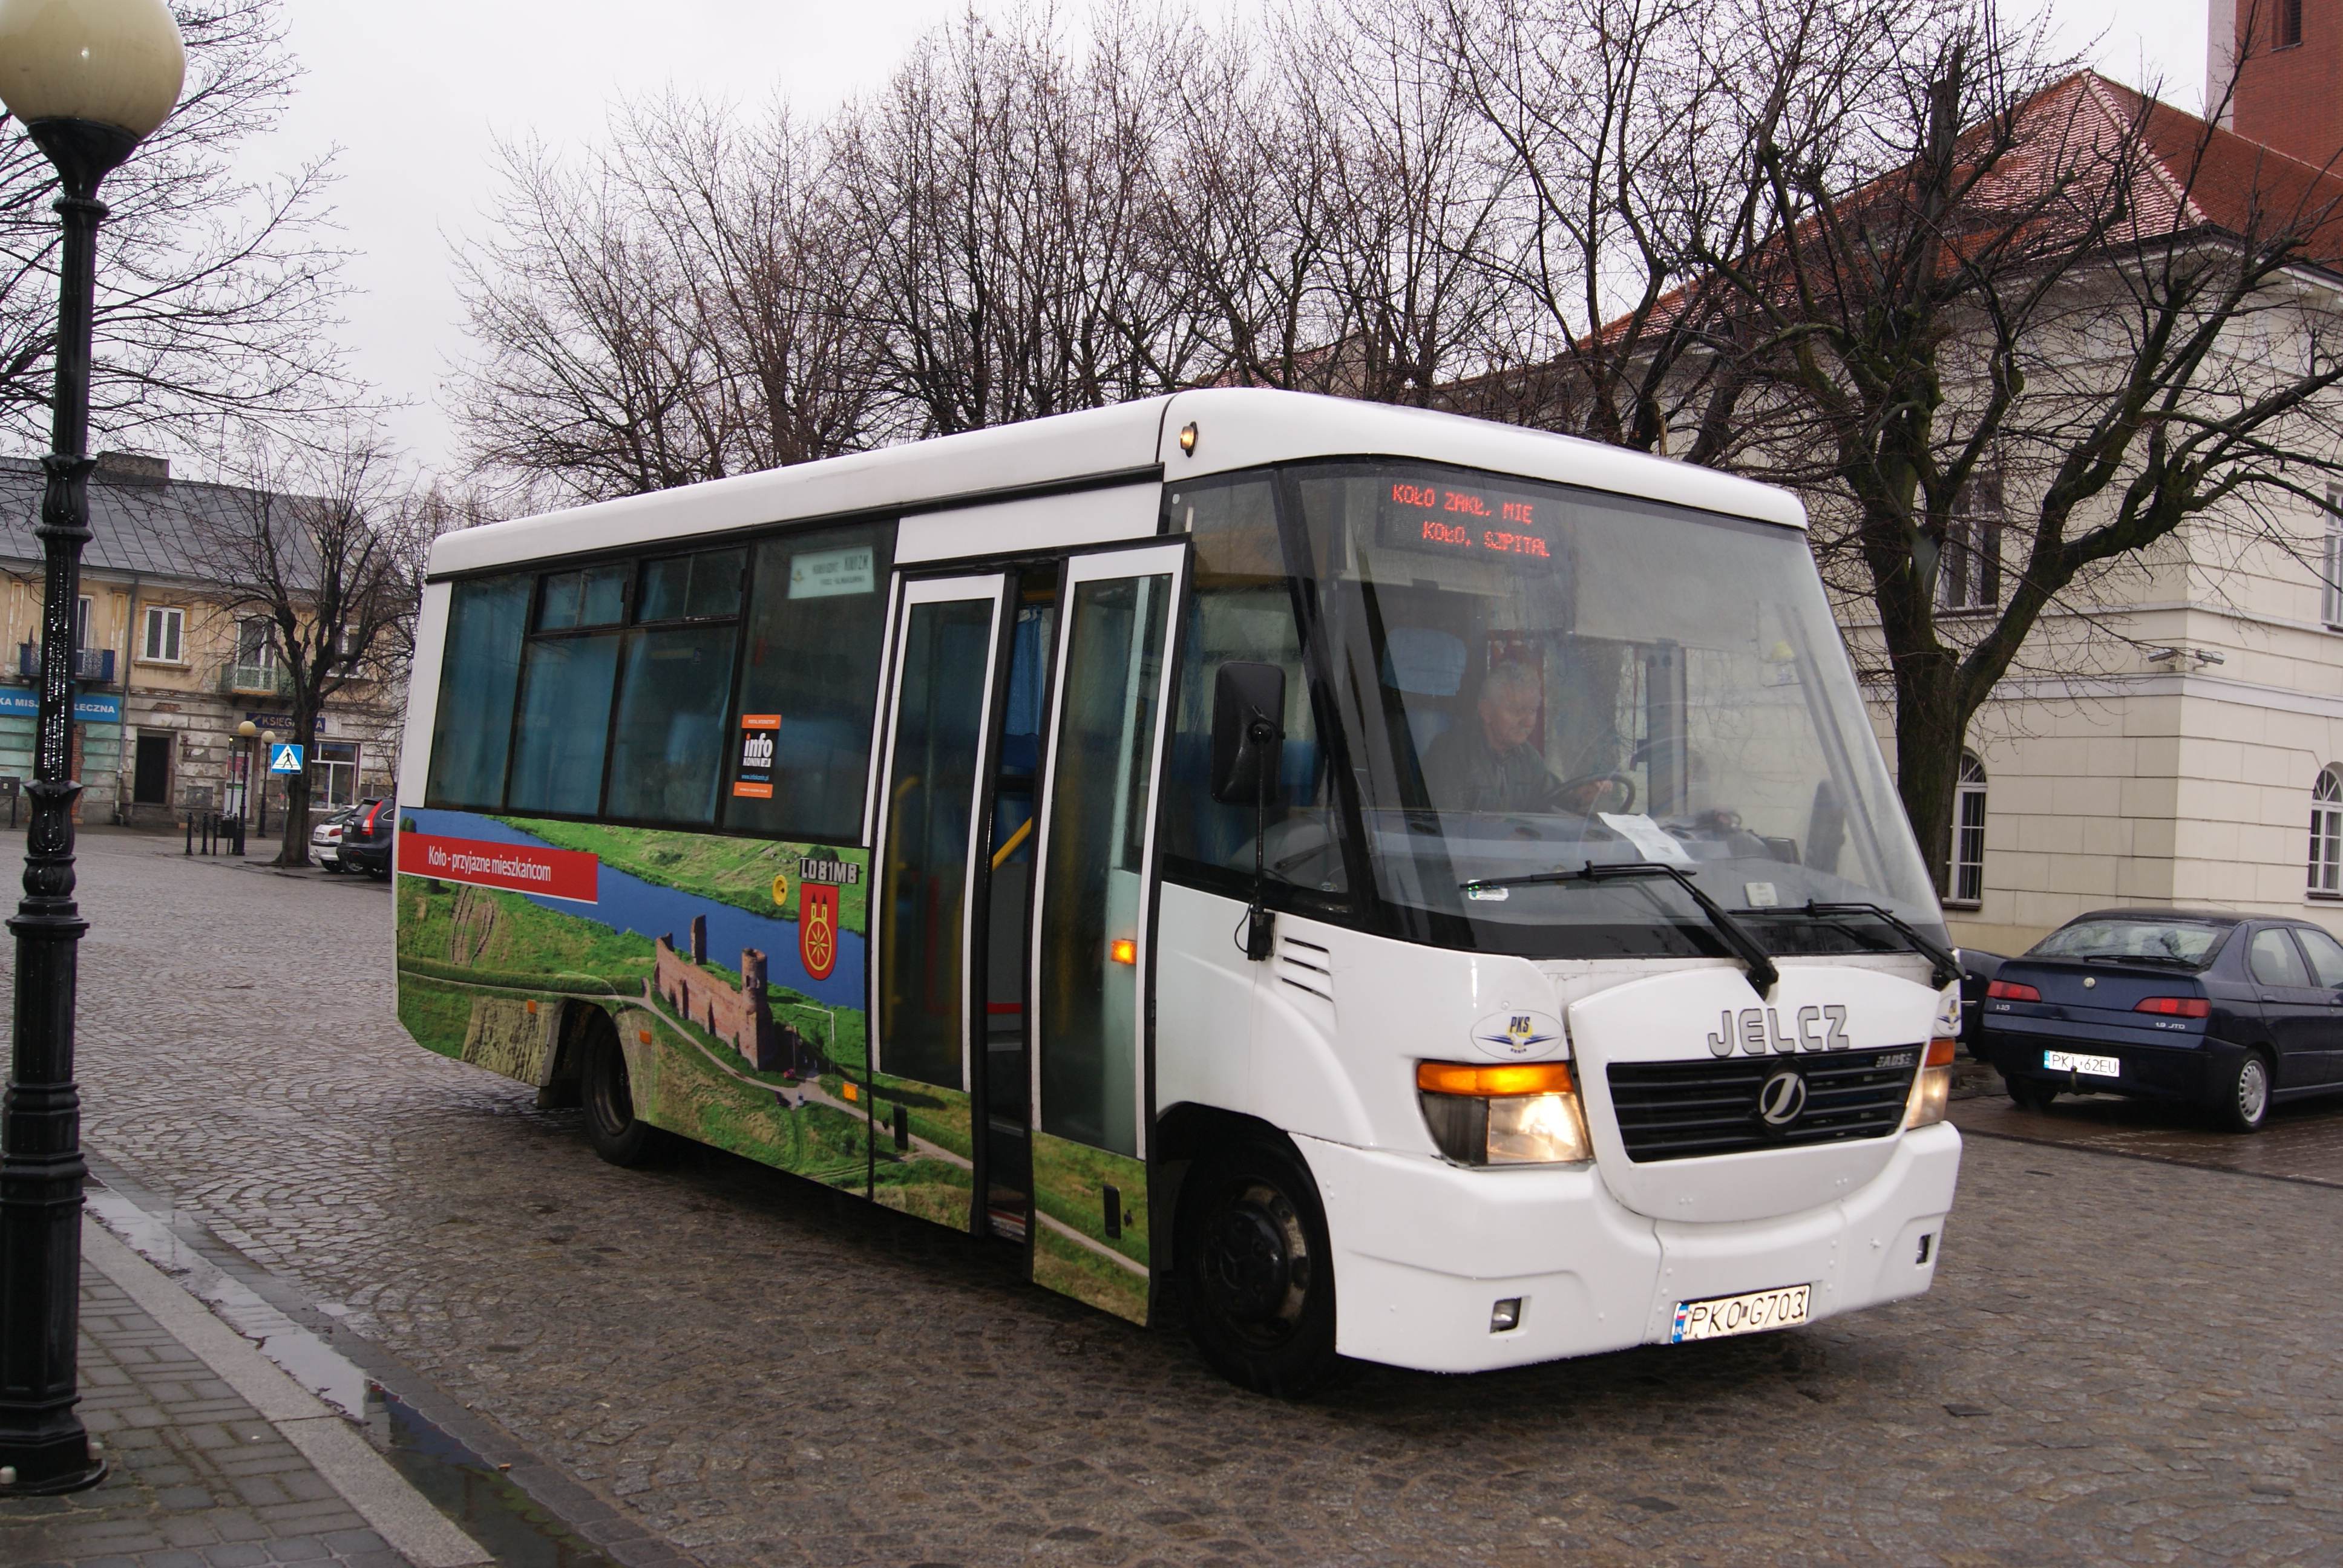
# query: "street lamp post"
x,y
267,748
250,733
89,79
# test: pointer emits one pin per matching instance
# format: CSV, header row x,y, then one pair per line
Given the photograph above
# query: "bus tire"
x,y
618,1135
1255,1268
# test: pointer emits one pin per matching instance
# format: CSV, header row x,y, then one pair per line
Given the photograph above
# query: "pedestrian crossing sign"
x,y
285,760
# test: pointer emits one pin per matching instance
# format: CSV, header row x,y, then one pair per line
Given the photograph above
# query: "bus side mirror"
x,y
1247,732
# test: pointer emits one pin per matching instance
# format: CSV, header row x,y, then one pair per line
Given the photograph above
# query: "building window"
x,y
2289,23
334,775
2331,562
1968,571
166,629
1969,834
2326,834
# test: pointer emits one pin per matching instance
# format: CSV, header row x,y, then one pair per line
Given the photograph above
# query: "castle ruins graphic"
x,y
740,1016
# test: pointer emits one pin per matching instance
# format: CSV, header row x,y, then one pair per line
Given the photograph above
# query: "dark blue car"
x,y
2229,1011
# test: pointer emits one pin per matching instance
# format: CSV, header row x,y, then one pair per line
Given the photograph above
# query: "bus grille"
x,y
1677,1109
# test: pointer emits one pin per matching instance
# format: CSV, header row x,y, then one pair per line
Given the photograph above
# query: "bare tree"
x,y
1633,139
314,542
216,294
2027,323
595,374
665,309
1004,191
756,234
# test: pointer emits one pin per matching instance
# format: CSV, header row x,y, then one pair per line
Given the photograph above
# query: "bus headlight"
x,y
1527,1114
1932,1087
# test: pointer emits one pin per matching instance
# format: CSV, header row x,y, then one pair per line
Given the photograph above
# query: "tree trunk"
x,y
294,847
1929,728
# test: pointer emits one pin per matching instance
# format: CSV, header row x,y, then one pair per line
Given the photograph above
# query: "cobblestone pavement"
x,y
2121,1359
2302,1142
198,1479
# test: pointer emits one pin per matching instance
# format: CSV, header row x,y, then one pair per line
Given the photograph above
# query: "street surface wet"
x,y
2124,1359
2301,1142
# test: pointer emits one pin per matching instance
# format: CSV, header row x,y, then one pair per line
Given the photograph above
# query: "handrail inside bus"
x,y
1024,831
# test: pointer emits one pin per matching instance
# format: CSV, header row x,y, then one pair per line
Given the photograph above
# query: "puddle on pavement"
x,y
513,1527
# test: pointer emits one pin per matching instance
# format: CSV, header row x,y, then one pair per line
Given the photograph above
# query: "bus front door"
x,y
930,876
1091,954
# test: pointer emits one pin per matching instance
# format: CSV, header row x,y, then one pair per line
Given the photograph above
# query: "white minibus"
x,y
1402,886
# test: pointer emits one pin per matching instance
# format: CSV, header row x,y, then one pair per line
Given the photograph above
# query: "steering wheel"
x,y
1562,790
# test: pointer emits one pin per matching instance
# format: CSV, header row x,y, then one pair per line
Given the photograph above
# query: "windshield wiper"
x,y
1736,935
1944,969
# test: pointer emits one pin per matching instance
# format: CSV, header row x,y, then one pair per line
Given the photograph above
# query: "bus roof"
x,y
1237,428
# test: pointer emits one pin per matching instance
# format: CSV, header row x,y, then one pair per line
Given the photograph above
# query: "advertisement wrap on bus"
x,y
1409,888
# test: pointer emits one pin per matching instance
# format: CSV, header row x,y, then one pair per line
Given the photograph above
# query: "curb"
x,y
364,1479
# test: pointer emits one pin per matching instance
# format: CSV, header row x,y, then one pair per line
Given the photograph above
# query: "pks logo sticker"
x,y
1517,1031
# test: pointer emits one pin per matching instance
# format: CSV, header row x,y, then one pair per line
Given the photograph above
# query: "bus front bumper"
x,y
1425,1250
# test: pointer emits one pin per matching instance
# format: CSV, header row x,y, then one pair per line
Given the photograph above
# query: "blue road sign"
x,y
285,759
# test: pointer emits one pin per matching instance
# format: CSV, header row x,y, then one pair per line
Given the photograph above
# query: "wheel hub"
x,y
1247,1262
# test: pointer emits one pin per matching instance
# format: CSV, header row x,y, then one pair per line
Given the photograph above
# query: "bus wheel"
x,y
1256,1272
610,1122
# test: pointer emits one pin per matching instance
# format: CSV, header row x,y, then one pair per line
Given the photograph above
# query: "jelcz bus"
x,y
1424,890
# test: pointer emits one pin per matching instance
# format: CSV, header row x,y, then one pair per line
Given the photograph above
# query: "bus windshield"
x,y
1530,678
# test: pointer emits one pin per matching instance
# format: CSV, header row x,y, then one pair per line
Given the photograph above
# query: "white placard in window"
x,y
826,574
1646,835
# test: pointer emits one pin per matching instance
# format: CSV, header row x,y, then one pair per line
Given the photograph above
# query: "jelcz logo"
x,y
1782,1099
1758,1031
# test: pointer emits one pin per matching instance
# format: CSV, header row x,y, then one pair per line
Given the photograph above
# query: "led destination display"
x,y
1449,519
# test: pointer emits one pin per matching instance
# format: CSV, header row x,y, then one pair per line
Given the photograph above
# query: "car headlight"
x,y
1932,1087
1525,1115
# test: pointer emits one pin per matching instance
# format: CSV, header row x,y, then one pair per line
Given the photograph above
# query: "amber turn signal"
x,y
1123,950
1940,1053
1522,1078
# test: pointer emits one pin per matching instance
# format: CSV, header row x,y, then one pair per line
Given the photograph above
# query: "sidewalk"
x,y
219,1459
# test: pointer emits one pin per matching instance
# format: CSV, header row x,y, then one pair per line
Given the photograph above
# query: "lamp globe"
x,y
90,78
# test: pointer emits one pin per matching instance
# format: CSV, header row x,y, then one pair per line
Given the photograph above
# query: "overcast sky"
x,y
413,92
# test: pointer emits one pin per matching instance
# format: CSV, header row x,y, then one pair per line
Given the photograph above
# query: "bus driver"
x,y
1491,766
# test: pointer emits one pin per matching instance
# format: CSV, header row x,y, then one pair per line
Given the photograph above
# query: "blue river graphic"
x,y
627,903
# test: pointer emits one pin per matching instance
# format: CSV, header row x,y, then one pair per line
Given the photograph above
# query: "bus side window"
x,y
817,621
471,730
1241,607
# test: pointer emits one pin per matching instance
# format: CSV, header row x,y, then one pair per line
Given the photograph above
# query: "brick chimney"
x,y
2289,91
131,468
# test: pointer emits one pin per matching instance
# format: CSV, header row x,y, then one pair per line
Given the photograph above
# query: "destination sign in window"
x,y
1443,519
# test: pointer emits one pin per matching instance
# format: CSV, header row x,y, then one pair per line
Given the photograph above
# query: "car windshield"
x,y
2157,940
1530,678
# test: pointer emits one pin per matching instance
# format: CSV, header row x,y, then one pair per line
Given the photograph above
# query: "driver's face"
x,y
1508,716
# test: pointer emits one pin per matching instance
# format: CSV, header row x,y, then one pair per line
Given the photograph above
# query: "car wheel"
x,y
1256,1269
379,873
2032,1094
611,1125
2245,1105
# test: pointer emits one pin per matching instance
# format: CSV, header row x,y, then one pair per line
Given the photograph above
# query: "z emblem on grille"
x,y
1782,1100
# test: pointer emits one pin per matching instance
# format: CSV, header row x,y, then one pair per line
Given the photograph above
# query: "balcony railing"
x,y
92,665
255,680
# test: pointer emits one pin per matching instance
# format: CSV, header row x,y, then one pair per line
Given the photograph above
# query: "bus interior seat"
x,y
1426,666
